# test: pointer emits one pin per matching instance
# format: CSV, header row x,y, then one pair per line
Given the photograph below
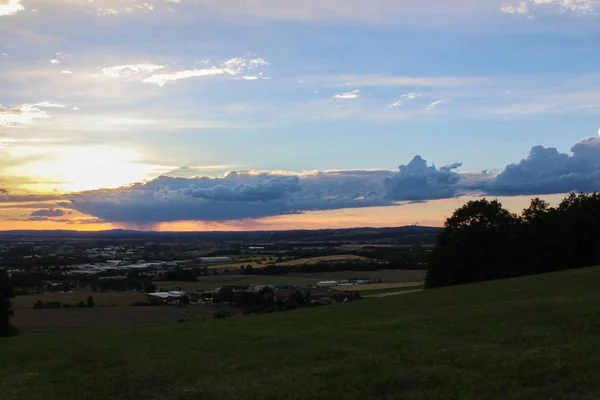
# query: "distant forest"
x,y
484,241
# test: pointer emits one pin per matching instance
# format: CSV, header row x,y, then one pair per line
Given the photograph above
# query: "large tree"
x,y
483,241
6,312
474,245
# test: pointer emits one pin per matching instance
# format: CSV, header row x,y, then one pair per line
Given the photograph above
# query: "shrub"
x,y
90,302
67,305
221,314
53,304
81,304
38,305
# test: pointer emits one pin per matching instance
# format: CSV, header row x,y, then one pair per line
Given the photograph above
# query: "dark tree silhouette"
x,y
483,241
6,312
472,246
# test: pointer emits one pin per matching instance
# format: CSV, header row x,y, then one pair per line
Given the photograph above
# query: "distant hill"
x,y
428,234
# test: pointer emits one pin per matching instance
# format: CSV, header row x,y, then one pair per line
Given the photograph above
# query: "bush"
x,y
81,304
53,304
38,305
90,302
67,306
221,314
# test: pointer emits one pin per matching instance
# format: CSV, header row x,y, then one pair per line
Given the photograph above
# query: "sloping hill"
x,y
529,338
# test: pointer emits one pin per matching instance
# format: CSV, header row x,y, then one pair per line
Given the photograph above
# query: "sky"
x,y
181,115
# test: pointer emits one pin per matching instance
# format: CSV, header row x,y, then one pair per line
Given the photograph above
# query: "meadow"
x,y
110,310
216,281
535,337
261,262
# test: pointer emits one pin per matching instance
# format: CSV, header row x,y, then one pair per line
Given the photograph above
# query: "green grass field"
x,y
529,338
211,282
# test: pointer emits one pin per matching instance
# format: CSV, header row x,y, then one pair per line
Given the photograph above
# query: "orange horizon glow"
x,y
432,213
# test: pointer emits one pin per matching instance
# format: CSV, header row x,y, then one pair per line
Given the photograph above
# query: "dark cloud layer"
x,y
252,194
238,195
261,191
48,213
418,181
546,171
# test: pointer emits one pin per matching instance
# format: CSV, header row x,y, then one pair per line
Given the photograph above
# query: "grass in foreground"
x,y
528,338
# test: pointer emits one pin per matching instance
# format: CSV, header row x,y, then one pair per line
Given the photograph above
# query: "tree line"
x,y
483,241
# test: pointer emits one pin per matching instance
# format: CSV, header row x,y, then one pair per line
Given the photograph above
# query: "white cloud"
x,y
434,104
521,8
55,61
131,70
104,12
407,96
163,79
10,7
531,6
232,67
66,72
25,114
347,95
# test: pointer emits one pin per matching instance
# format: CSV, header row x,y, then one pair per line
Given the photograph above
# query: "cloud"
x,y
237,195
48,213
130,70
589,7
347,95
546,171
262,191
146,72
521,8
407,96
434,104
25,114
417,181
10,7
163,79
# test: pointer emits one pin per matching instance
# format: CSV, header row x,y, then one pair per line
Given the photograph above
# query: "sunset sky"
x,y
281,114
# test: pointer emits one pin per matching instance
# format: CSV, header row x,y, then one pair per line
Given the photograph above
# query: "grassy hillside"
x,y
528,338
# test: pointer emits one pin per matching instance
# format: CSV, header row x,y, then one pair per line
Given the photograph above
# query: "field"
x,y
341,257
379,287
112,309
264,261
212,282
238,265
100,299
528,338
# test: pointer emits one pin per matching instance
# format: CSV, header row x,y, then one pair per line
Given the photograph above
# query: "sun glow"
x,y
73,169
